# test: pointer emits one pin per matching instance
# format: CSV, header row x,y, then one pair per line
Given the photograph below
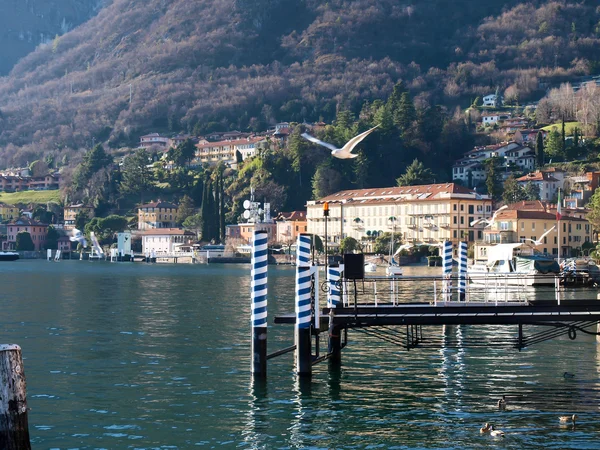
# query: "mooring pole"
x,y
14,426
259,304
447,270
333,299
303,306
462,271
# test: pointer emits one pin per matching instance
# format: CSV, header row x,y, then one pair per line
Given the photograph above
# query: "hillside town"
x,y
507,192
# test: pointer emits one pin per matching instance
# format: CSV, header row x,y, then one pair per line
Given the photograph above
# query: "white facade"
x,y
423,214
490,100
167,240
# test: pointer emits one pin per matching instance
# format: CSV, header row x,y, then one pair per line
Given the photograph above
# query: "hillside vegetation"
x,y
184,66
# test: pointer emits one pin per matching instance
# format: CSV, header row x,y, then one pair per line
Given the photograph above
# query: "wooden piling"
x,y
14,425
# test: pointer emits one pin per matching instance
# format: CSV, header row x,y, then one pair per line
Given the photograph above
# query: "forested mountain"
x,y
24,24
202,65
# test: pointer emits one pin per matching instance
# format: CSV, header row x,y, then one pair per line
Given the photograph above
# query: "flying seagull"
x,y
540,241
78,236
346,151
489,221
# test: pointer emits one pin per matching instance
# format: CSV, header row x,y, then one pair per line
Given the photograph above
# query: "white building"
x,y
547,184
165,240
491,119
422,214
472,161
490,100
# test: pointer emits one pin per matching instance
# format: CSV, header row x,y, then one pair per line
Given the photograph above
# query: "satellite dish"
x,y
246,204
246,214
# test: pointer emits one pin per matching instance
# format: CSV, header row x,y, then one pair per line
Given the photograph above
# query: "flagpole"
x,y
558,214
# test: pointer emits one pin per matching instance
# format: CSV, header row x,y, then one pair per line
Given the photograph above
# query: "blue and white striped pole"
x,y
333,300
447,270
333,293
259,303
462,270
303,305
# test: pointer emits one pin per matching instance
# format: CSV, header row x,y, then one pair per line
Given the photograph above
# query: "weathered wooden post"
x,y
259,303
303,306
14,426
333,299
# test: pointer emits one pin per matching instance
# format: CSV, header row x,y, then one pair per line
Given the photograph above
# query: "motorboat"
x,y
370,267
9,256
393,270
504,267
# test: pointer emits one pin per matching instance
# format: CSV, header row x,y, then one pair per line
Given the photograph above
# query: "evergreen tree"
x,y
415,174
406,113
513,192
24,242
206,213
532,191
217,207
563,138
492,181
185,209
52,238
137,178
222,228
326,181
539,150
553,147
361,170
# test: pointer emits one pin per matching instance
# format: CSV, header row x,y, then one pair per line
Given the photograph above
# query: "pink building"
x,y
38,232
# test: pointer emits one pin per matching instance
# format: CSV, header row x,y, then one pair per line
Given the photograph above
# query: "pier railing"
x,y
505,289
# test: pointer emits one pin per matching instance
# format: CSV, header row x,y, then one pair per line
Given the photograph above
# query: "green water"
x,y
136,356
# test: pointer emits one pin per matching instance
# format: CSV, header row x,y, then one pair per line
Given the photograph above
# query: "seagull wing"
x,y
320,142
541,239
355,140
477,222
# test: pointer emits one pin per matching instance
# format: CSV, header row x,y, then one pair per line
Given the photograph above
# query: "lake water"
x,y
137,356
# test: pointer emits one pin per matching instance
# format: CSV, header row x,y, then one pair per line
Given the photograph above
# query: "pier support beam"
x,y
259,304
303,306
14,425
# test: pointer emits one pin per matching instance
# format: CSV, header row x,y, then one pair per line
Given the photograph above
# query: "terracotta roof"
x,y
159,204
24,221
540,215
407,193
168,232
292,216
537,176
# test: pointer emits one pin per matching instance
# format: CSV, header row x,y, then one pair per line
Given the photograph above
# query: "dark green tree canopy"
x,y
416,174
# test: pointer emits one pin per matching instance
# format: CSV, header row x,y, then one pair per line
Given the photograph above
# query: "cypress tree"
x,y
222,212
563,138
539,150
217,208
205,210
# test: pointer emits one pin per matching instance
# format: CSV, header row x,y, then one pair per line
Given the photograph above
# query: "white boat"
x,y
507,269
370,267
9,256
393,271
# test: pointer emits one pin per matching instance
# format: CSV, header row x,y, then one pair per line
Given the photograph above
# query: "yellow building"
x,y
70,213
512,226
157,215
8,212
429,213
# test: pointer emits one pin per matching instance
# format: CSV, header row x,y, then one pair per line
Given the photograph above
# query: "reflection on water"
x,y
148,356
